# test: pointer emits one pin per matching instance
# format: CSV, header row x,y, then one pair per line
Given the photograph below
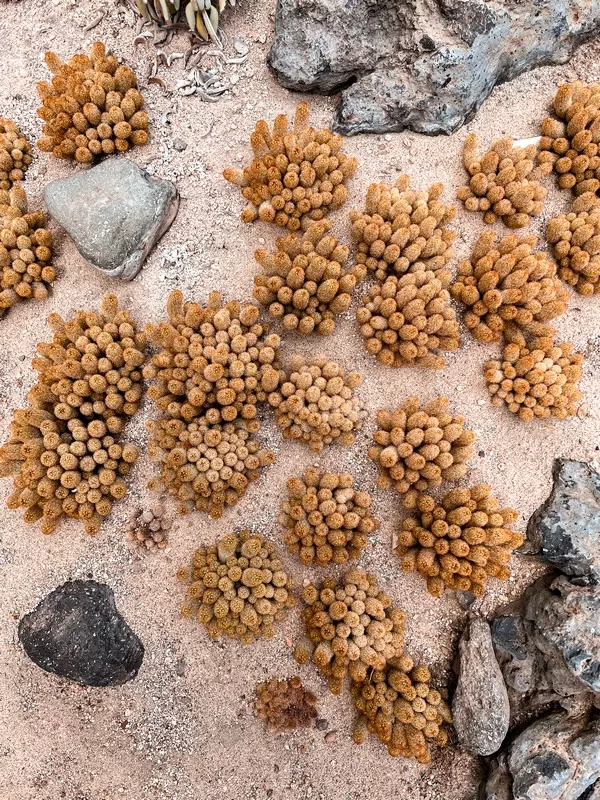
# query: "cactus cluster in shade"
x,y
15,154
285,704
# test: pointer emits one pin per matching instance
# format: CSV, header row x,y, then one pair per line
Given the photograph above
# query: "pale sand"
x,y
193,735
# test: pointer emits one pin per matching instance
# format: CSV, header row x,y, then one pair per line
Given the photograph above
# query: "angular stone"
x,y
77,633
115,213
565,530
401,68
480,707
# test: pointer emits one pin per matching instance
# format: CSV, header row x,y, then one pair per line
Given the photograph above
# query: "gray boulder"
x,y
480,708
400,65
114,212
565,530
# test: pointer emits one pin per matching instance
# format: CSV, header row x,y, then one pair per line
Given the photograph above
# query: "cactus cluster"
x,y
15,154
285,704
575,240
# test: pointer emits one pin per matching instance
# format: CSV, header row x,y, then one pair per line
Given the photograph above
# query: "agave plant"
x,y
202,16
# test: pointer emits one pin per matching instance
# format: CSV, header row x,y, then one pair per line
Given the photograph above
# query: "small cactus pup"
x,y
285,704
237,587
570,138
298,174
459,543
15,154
91,107
575,240
504,183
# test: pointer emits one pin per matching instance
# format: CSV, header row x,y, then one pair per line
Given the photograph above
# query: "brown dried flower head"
x,y
285,704
352,627
504,182
25,251
570,139
326,518
15,154
297,175
399,706
149,529
216,361
317,404
402,230
576,244
64,449
237,587
406,319
306,283
205,466
507,284
417,447
460,543
91,107
536,381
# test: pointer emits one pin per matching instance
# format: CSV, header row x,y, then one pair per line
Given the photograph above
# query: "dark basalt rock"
x,y
77,633
400,68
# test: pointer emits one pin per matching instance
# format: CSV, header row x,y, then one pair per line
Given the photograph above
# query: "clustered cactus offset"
x,y
297,175
149,529
575,238
285,704
237,587
91,107
15,154
504,182
306,283
460,543
326,518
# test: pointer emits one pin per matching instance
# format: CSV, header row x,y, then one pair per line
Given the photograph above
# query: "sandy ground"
x,y
184,728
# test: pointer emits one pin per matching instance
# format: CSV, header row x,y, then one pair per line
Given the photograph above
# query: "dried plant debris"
x,y
326,518
205,466
352,627
504,182
306,282
298,175
506,284
15,154
64,449
537,380
405,319
237,587
402,230
149,529
91,108
419,446
201,16
317,404
575,240
285,704
25,251
460,543
570,139
400,707
217,361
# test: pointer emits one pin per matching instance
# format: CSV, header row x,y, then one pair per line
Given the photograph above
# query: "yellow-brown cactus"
x,y
460,543
91,107
504,182
575,238
306,283
15,154
285,705
237,587
419,446
507,283
406,319
298,175
402,230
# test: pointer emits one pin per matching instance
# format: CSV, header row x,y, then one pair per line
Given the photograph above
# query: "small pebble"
x,y
330,737
179,145
321,724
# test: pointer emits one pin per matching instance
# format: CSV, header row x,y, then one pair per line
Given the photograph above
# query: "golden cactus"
x,y
404,320
399,706
460,543
419,446
15,154
402,230
326,518
317,404
575,238
25,251
504,182
285,704
237,587
570,139
298,175
506,284
306,283
91,108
